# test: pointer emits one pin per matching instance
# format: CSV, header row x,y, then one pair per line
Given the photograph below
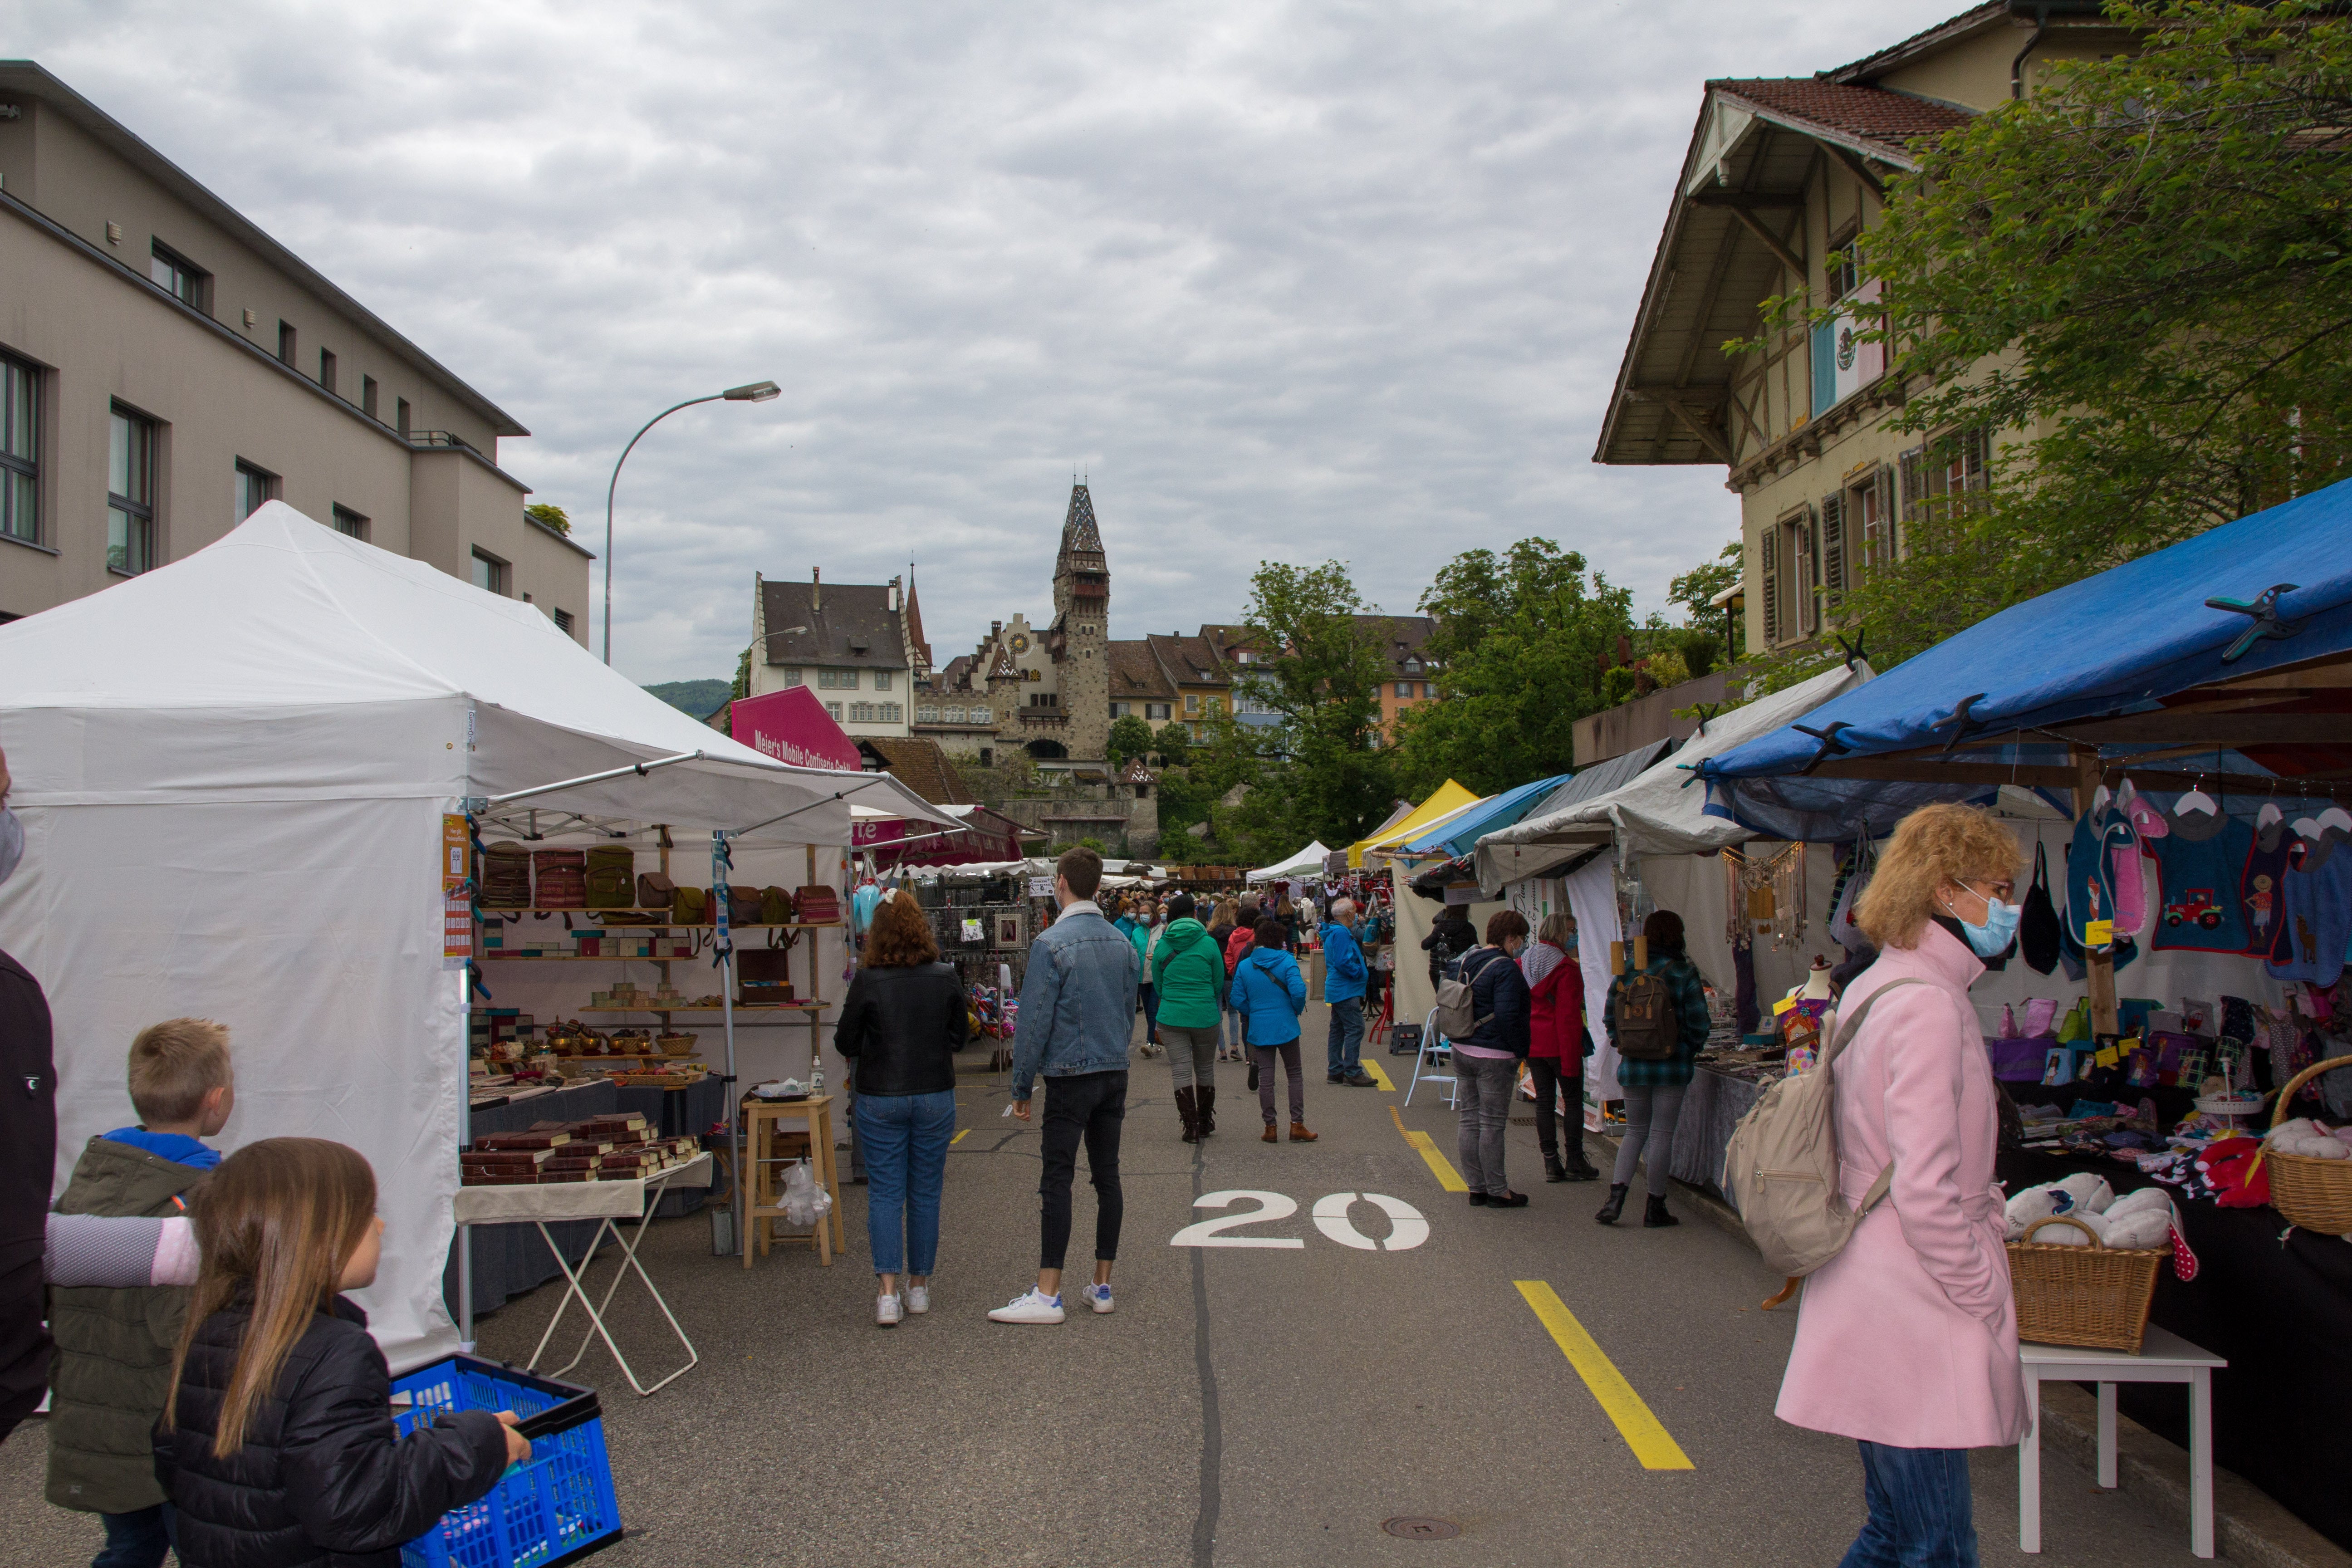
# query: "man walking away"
x,y
1344,975
1074,1005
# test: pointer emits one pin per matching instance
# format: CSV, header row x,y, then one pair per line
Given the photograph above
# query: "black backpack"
x,y
1649,1025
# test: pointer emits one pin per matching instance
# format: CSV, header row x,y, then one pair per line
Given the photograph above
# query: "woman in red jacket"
x,y
1556,1043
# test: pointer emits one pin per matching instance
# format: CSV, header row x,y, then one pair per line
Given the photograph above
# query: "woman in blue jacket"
x,y
1270,994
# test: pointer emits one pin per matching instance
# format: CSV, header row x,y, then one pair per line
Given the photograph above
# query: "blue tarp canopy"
x,y
1458,834
2112,645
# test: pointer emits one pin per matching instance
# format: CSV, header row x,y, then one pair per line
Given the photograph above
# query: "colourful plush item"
x,y
2238,1177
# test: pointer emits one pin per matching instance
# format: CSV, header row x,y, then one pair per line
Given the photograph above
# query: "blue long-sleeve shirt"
x,y
1344,969
1269,992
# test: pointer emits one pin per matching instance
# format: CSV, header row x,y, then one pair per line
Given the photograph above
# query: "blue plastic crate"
x,y
557,1509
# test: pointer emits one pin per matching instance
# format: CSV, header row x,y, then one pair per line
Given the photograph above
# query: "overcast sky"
x,y
1288,281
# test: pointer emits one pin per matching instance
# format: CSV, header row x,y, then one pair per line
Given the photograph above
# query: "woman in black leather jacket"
x,y
902,1023
314,1475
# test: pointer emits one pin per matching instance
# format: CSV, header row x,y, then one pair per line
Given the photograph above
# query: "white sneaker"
x,y
1030,1307
918,1299
887,1312
1099,1298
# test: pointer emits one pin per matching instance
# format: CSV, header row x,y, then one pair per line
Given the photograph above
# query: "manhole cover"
x,y
1421,1529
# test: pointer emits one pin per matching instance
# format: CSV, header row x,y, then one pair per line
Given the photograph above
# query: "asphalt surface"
x,y
1243,1405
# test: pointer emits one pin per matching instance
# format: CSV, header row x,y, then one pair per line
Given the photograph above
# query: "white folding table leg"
x,y
628,1243
2200,1462
2106,1435
2029,1470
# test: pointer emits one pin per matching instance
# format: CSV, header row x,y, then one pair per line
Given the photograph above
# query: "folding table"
x,y
606,1201
2164,1357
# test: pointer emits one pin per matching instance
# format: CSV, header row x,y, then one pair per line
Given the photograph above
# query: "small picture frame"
x,y
1008,931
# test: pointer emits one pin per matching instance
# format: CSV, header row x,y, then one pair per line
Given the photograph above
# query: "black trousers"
x,y
1091,1107
1546,1072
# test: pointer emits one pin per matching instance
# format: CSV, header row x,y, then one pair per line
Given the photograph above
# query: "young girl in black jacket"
x,y
277,1445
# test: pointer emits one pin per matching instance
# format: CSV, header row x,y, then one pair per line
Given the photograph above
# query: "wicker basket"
x,y
2095,1296
676,1044
2314,1194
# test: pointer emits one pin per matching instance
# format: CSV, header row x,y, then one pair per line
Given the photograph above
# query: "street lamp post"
x,y
756,392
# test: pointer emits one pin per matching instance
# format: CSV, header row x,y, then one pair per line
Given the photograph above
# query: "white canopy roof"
x,y
290,659
1654,813
1305,865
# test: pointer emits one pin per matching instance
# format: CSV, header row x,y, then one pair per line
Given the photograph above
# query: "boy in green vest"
x,y
114,1347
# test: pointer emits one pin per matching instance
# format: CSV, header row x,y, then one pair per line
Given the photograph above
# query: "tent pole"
x,y
726,954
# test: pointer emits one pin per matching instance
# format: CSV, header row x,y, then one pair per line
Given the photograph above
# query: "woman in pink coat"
x,y
1906,1341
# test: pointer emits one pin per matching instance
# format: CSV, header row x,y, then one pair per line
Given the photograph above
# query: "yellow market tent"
x,y
1450,798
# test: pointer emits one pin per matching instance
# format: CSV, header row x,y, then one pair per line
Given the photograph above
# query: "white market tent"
x,y
1305,865
232,774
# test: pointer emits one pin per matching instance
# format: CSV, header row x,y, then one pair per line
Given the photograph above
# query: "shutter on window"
x,y
1913,467
1832,548
1770,585
1881,489
1976,454
1805,570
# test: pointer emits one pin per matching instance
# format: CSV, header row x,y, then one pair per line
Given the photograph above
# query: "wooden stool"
x,y
760,1182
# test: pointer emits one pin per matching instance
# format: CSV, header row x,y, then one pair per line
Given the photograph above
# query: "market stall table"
x,y
2164,1357
540,1203
1712,1108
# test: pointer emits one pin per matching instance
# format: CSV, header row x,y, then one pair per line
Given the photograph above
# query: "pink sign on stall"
x,y
793,726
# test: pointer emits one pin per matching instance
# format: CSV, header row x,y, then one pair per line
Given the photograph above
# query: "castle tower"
x,y
1081,633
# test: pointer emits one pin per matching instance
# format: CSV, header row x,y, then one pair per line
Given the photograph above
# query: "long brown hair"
x,y
277,1222
900,936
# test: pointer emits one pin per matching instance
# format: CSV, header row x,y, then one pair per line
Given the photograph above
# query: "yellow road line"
x,y
1379,1076
1642,1431
958,1137
1447,1176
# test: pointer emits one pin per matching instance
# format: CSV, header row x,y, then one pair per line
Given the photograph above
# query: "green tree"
x,y
1522,642
554,517
2141,278
1129,737
1711,635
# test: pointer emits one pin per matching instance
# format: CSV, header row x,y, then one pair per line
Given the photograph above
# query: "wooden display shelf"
x,y
693,1057
739,1007
591,915
584,957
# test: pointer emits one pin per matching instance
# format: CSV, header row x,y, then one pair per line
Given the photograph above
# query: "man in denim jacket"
x,y
1076,1004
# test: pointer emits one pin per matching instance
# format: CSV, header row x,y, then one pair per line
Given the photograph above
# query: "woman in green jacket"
x,y
1188,975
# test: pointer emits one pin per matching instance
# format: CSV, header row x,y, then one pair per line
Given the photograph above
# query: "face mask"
x,y
12,842
1991,939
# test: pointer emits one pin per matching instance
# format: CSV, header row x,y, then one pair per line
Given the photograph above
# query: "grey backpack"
x,y
1781,1167
1457,1015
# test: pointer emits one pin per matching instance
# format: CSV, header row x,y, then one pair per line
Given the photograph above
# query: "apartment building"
x,y
1783,180
859,644
165,367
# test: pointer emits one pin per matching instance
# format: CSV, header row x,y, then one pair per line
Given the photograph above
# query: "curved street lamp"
x,y
756,392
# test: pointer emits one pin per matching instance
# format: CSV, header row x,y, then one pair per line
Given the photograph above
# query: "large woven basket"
x,y
2096,1296
2314,1194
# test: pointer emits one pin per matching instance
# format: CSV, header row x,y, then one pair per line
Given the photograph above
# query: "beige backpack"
x,y
1781,1166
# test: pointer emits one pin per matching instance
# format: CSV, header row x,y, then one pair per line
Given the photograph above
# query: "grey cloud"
x,y
1289,281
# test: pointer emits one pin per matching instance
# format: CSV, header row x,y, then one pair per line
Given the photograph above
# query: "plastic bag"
x,y
805,1203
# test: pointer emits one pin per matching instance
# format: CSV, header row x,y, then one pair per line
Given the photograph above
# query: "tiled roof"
x,y
955,676
921,766
1134,672
1189,661
1079,534
1891,120
1402,637
839,618
914,622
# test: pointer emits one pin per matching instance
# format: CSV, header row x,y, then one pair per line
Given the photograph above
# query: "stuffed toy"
x,y
2234,1169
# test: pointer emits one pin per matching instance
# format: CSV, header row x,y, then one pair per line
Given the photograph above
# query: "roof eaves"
x,y
35,81
1652,292
1945,33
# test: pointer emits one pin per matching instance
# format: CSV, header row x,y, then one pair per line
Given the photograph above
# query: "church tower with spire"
x,y
1079,641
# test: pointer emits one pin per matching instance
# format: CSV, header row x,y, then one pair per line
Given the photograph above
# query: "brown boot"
x,y
1270,1135
1188,1112
1298,1133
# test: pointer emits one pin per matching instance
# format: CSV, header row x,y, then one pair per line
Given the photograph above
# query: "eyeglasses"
x,y
2006,891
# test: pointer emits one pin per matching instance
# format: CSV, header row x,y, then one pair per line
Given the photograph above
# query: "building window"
x,y
327,368
1413,667
1192,702
1405,689
563,622
254,486
881,680
287,342
367,396
837,679
400,414
892,713
1118,709
1427,689
20,472
1198,733
792,675
489,573
1161,710
862,713
927,715
130,493
182,278
954,716
1843,268
834,710
348,521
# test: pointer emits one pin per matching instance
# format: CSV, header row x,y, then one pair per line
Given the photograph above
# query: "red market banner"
x,y
989,837
793,726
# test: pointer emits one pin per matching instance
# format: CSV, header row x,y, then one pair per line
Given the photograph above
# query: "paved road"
x,y
1244,1405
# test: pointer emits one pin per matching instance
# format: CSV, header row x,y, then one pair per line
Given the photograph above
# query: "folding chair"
x,y
1434,1046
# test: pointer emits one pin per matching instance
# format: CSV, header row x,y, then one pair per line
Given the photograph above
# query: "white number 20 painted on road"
x,y
1407,1228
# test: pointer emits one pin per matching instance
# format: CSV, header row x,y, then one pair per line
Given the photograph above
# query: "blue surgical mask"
x,y
1991,939
12,842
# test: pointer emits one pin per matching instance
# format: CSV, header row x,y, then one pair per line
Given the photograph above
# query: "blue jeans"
x,y
906,1140
139,1540
1345,1051
1920,1514
1148,997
